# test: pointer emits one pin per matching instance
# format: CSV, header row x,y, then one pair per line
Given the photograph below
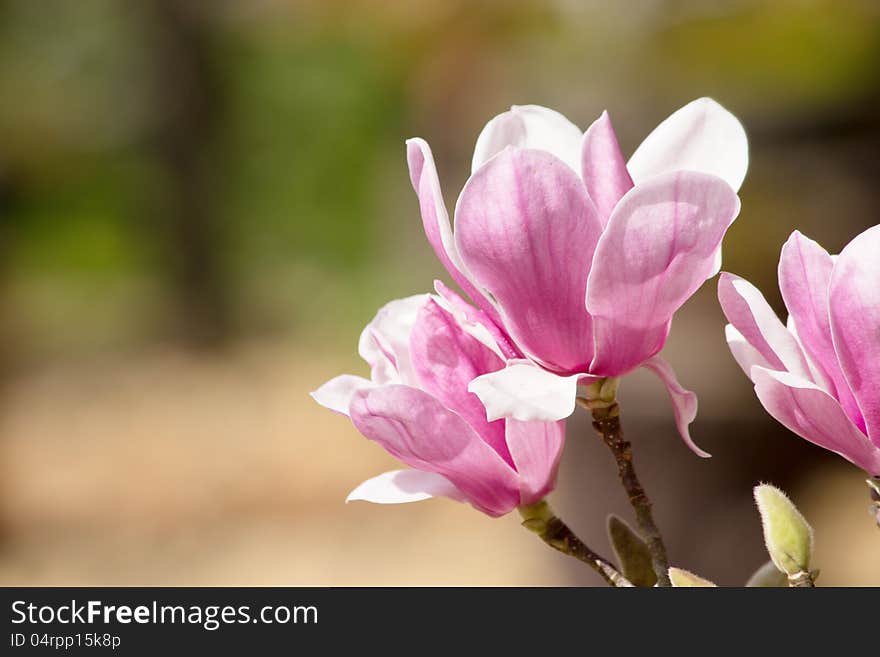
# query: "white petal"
x,y
337,393
401,486
524,391
684,402
744,354
530,126
384,342
701,136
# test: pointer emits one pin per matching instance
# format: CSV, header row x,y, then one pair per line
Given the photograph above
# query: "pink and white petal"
x,y
536,448
745,355
657,249
446,360
684,402
529,126
338,392
814,415
701,136
402,486
379,356
751,315
476,323
603,168
855,323
384,342
526,230
435,219
817,374
716,267
415,428
523,391
804,279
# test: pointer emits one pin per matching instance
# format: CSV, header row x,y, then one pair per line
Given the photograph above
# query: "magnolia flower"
x,y
819,375
577,259
417,406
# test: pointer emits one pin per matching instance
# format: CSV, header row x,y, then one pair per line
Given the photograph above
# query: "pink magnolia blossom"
x,y
417,406
819,375
576,258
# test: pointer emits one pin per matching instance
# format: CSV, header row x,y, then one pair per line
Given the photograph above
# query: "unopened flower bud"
x,y
788,537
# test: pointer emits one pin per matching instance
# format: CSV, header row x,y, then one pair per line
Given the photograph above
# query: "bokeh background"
x,y
201,204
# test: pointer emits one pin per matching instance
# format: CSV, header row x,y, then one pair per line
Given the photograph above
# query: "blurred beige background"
x,y
201,204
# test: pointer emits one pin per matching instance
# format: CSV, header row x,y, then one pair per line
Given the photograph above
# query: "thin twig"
x,y
540,519
606,421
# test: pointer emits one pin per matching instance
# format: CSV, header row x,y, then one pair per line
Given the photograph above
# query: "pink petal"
x,y
855,323
526,229
435,219
684,402
338,392
620,349
446,359
529,126
658,248
419,431
701,136
536,448
814,415
402,486
748,311
526,392
603,167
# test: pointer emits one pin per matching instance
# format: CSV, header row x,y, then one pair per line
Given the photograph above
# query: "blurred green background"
x,y
201,204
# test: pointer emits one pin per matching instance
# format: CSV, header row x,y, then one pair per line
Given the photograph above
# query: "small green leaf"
x,y
768,576
534,525
788,537
632,553
685,579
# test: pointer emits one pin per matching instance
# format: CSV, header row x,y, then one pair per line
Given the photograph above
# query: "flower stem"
x,y
802,579
606,420
540,519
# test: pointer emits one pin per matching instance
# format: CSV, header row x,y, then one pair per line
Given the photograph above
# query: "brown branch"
x,y
540,519
606,421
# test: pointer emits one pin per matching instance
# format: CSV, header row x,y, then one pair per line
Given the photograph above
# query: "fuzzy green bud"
x,y
681,578
788,536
